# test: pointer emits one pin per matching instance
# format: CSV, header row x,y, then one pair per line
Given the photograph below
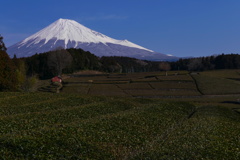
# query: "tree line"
x,y
21,73
223,61
66,61
49,64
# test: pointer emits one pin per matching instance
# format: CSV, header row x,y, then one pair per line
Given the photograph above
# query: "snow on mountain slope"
x,y
69,30
70,34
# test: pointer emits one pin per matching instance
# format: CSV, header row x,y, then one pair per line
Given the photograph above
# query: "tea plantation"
x,y
126,125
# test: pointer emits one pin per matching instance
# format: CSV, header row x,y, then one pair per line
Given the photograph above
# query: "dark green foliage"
x,y
8,78
231,61
228,61
2,44
37,65
127,65
110,64
82,60
181,64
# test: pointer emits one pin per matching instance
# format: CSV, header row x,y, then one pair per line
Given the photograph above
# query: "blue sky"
x,y
178,27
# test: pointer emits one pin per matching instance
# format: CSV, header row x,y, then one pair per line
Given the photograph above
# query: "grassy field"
x,y
219,82
109,117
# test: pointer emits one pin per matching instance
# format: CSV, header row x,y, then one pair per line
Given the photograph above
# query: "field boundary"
x,y
195,81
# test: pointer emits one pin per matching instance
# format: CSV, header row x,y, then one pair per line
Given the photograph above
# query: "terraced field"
x,y
124,116
219,82
133,85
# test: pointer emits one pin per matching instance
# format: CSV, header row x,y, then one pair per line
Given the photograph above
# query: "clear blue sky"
x,y
177,27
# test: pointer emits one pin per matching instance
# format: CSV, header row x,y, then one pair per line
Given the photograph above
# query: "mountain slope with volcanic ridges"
x,y
70,34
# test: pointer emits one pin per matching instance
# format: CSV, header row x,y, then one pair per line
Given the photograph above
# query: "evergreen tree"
x,y
2,45
8,78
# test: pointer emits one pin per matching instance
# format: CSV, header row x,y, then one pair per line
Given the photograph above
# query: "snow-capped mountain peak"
x,y
70,30
70,34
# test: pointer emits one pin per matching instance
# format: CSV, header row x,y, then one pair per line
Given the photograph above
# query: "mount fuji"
x,y
67,33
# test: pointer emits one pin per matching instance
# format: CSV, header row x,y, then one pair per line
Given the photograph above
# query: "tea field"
x,y
123,116
219,82
145,85
65,126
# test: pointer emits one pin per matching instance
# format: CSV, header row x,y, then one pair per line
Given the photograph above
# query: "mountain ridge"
x,y
71,34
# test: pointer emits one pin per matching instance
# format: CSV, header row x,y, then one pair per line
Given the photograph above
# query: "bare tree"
x,y
58,60
165,66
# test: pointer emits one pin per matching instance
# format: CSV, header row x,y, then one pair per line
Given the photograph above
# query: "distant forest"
x,y
43,65
20,73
